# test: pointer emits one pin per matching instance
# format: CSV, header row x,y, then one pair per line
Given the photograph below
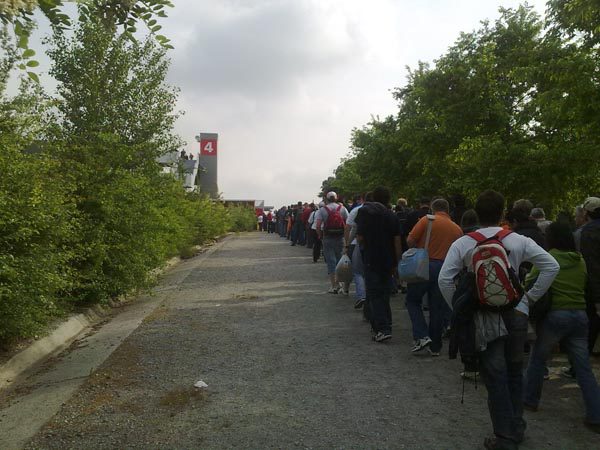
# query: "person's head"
x,y
592,208
440,205
469,219
538,214
402,203
321,204
424,202
560,237
489,208
521,210
369,196
358,199
331,197
382,195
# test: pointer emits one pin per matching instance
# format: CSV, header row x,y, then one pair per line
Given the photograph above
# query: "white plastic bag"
x,y
343,270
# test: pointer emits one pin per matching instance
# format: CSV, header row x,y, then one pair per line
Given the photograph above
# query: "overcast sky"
x,y
283,82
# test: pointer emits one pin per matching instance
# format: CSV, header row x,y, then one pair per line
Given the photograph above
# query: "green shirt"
x,y
568,288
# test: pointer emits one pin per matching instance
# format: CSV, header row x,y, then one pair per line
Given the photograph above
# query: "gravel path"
x,y
287,366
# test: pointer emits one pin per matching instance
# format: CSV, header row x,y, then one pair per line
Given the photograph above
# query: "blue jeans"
x,y
501,367
358,271
333,246
570,327
378,300
437,307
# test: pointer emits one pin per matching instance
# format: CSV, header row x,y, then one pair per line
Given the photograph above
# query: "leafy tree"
x,y
506,107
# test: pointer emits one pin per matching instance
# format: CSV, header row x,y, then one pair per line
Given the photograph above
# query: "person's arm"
x,y
453,264
547,267
319,223
398,248
347,230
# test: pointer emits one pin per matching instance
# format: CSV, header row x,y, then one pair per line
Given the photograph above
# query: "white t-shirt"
x,y
315,216
520,248
351,221
260,219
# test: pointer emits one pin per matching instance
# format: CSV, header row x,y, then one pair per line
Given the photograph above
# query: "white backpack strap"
x,y
430,219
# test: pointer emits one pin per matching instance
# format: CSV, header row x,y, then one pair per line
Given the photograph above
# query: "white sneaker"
x,y
333,290
421,344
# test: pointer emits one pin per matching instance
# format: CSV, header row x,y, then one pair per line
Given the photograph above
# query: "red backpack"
x,y
334,225
496,282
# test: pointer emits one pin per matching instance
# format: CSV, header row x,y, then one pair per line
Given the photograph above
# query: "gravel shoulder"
x,y
287,365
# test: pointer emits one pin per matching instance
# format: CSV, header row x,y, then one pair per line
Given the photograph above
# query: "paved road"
x,y
287,366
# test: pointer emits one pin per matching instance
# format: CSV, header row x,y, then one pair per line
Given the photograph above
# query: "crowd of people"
x,y
493,274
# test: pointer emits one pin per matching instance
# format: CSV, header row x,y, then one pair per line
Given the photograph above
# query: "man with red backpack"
x,y
331,223
499,309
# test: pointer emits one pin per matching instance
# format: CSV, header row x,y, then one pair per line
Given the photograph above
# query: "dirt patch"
x,y
160,313
181,397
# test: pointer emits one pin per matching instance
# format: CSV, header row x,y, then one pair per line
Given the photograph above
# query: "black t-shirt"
x,y
378,226
412,218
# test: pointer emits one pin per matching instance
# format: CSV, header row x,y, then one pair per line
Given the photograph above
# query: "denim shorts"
x,y
333,246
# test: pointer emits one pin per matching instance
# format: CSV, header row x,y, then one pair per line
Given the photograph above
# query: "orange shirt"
x,y
443,233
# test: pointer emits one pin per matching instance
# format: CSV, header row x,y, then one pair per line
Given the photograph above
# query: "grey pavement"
x,y
287,366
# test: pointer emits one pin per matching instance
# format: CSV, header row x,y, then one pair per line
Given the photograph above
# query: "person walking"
x,y
500,336
353,251
316,241
565,323
590,249
331,223
443,232
378,234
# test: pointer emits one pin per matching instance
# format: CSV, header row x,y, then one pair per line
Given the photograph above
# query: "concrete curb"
x,y
57,341
69,330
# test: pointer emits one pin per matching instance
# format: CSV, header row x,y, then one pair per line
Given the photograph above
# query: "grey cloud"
x,y
260,50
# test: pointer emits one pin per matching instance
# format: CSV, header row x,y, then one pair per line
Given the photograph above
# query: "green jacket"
x,y
568,288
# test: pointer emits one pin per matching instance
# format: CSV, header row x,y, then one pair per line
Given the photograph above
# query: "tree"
x,y
506,107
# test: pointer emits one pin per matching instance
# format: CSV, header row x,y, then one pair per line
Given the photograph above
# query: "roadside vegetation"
x,y
86,212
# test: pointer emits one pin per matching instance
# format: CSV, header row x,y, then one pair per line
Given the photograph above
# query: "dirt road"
x,y
287,366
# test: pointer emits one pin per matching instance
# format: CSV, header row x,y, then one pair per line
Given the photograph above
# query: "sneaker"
x,y
420,344
432,353
546,373
497,443
567,372
345,292
332,291
381,336
359,303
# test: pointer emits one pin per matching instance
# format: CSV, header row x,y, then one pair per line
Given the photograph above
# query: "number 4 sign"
x,y
208,146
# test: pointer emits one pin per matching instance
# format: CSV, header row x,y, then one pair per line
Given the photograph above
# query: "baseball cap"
x,y
331,194
591,204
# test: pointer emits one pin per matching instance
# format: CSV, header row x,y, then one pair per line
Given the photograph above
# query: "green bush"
x,y
242,218
36,227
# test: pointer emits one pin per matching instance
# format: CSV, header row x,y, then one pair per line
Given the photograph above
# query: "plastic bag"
x,y
343,270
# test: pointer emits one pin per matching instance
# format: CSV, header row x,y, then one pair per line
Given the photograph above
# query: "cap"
x,y
591,204
331,194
